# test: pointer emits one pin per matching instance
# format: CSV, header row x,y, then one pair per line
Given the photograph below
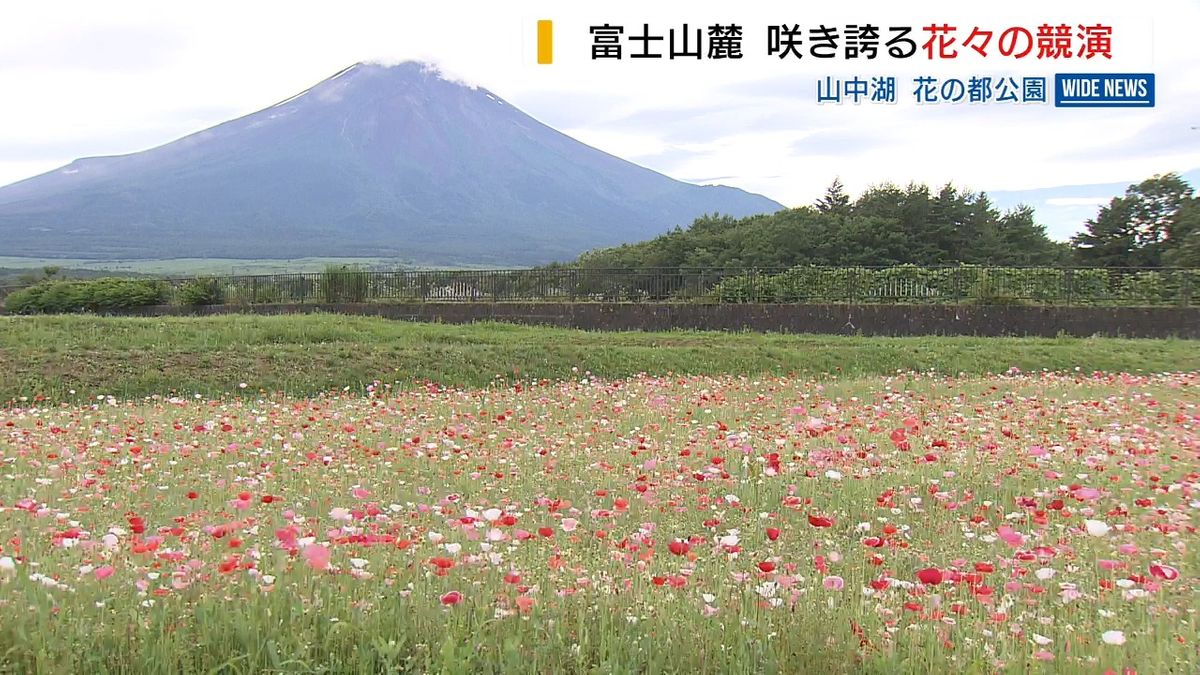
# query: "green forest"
x,y
1156,223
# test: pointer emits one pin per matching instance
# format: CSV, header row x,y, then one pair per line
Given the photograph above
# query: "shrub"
x,y
112,293
998,286
264,293
1089,286
964,283
344,284
25,301
1150,287
817,284
746,288
204,291
98,295
295,287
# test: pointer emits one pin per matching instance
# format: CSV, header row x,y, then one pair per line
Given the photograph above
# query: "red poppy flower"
x,y
930,576
679,547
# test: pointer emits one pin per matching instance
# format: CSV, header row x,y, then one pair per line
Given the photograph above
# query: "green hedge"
x,y
201,291
966,284
345,284
97,296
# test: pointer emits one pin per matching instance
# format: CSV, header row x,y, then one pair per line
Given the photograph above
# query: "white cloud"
x,y
1077,201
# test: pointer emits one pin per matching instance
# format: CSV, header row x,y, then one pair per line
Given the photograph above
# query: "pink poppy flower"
x,y
1164,572
317,556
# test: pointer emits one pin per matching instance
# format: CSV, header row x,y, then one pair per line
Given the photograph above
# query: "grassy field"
x,y
590,502
908,524
302,355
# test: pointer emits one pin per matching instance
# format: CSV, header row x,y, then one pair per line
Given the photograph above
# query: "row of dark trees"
x,y
1153,224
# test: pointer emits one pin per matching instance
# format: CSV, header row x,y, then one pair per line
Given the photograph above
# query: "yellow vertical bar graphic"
x,y
545,41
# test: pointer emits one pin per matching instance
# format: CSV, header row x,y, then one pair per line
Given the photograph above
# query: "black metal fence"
x,y
907,284
866,285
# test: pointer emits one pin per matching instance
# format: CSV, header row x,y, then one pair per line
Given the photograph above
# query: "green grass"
x,y
123,357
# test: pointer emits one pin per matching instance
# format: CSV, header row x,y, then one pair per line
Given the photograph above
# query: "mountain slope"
x,y
375,161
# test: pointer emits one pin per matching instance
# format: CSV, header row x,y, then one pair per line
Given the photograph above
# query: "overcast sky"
x,y
86,78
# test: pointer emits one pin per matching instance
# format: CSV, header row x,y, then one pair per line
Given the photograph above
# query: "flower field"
x,y
914,523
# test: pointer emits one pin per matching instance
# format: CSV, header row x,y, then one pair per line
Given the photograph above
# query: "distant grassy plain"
x,y
301,355
193,266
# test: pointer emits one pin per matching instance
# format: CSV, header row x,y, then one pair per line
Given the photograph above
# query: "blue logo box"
x,y
1108,90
